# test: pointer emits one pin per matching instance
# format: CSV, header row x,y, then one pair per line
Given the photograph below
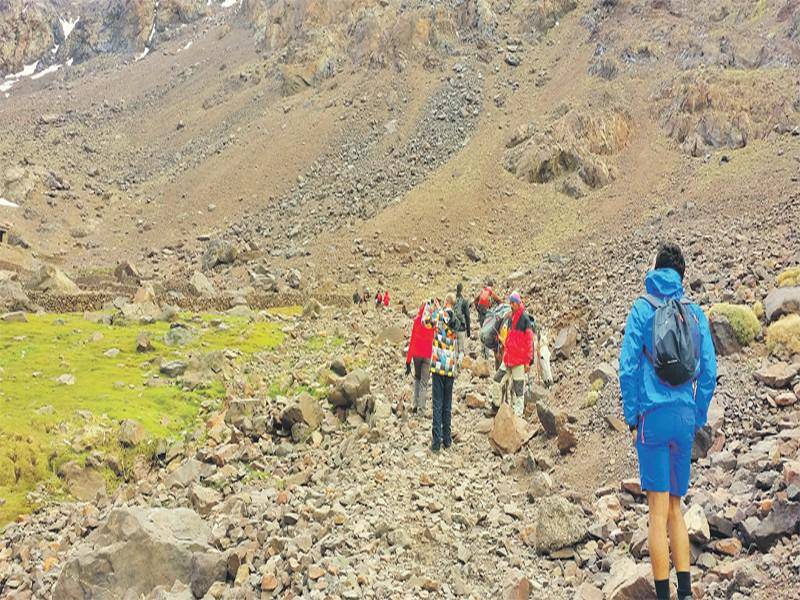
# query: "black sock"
x,y
684,583
662,589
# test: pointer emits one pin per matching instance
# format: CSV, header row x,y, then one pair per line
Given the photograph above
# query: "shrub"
x,y
789,278
783,337
758,309
743,320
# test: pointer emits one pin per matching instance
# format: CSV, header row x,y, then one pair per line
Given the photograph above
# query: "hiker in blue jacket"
x,y
667,376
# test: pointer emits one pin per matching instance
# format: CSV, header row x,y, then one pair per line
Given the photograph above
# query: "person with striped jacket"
x,y
443,371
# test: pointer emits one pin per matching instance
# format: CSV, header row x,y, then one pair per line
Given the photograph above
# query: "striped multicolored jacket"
x,y
443,359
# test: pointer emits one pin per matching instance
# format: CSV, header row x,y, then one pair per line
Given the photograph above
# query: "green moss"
x,y
758,309
789,278
286,311
743,320
322,342
783,337
41,428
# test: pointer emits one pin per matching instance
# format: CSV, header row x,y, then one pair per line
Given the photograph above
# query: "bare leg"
x,y
659,505
678,536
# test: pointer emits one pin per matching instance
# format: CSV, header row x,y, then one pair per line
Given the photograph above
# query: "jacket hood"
x,y
665,283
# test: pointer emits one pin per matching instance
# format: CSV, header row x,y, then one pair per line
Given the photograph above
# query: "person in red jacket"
x,y
379,300
420,350
386,299
518,350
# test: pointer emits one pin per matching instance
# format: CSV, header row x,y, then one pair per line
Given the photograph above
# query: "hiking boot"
x,y
435,449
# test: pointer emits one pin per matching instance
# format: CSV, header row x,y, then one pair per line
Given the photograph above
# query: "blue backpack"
x,y
676,340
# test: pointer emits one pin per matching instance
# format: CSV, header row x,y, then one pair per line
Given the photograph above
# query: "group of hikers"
x,y
667,378
382,299
438,345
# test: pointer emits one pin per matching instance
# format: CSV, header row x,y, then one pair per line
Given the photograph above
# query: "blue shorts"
x,y
664,444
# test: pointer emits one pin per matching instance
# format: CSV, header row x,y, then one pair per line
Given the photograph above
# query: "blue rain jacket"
x,y
641,388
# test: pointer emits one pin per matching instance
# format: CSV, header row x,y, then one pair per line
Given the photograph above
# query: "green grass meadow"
x,y
40,418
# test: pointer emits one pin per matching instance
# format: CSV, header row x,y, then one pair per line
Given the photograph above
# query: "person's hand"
x,y
408,368
527,368
634,433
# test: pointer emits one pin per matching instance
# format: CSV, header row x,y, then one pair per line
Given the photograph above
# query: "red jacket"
x,y
519,343
421,344
386,299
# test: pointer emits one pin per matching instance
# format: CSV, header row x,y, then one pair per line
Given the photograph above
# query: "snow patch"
x,y
27,71
13,78
47,71
55,48
67,26
229,3
146,50
8,203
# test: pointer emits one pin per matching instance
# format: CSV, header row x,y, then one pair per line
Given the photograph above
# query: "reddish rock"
x,y
728,546
509,432
633,487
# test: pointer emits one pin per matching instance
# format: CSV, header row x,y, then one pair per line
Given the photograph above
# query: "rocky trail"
x,y
334,494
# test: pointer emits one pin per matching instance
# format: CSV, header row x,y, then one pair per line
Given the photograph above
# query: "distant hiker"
x,y
420,350
461,324
443,370
386,299
378,299
667,378
357,297
485,300
517,343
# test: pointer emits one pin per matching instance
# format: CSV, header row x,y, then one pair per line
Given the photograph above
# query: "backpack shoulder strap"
x,y
652,300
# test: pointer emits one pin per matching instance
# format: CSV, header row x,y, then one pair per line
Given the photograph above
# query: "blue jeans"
x,y
442,392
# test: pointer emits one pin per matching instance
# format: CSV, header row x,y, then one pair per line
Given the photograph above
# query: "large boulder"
x,y
200,285
629,581
12,296
312,309
566,341
131,433
697,525
350,388
723,335
782,301
138,549
84,483
509,432
126,272
555,524
551,421
218,252
782,521
53,280
777,375
305,409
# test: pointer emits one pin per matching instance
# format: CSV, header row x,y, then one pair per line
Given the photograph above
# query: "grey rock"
x,y
138,549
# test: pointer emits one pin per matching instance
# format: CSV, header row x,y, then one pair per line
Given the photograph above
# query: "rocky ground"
x,y
333,493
